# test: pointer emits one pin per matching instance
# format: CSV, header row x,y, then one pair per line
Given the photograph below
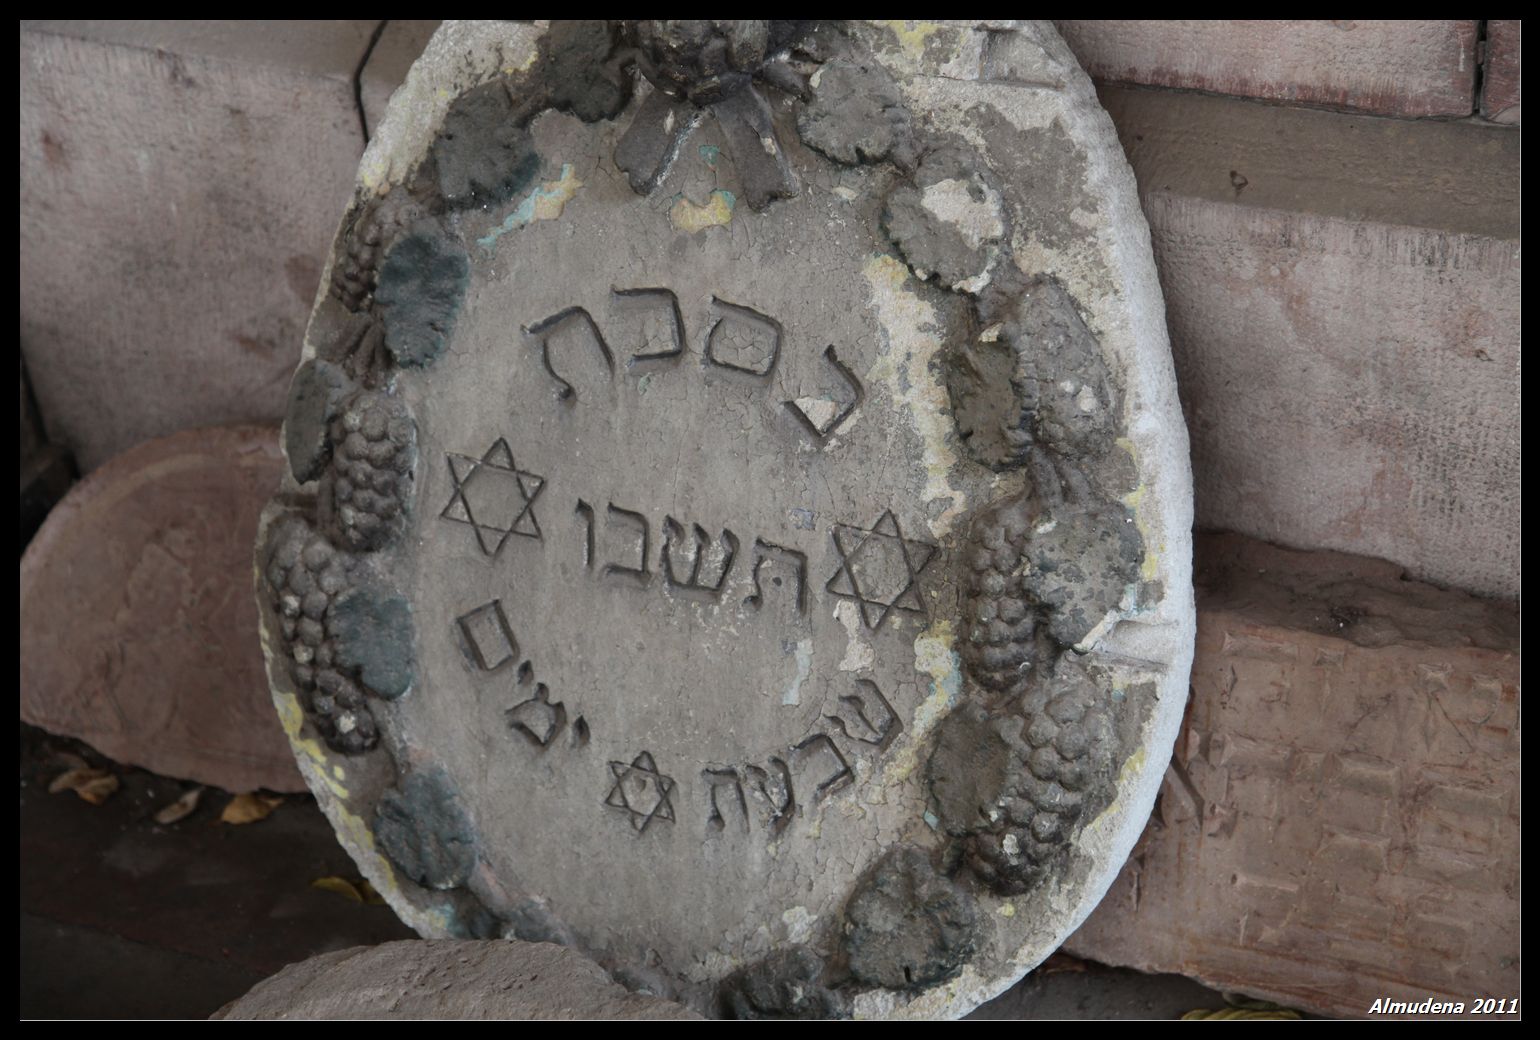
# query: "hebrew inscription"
x,y
695,557
646,327
489,642
569,331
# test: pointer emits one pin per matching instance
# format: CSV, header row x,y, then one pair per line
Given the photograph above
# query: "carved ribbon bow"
x,y
715,66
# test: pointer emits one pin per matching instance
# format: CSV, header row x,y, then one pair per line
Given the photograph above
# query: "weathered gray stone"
x,y
697,553
446,979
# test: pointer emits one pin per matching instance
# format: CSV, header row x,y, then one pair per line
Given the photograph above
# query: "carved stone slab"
x,y
136,625
739,509
448,979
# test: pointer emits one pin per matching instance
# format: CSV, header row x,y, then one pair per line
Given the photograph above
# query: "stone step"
x,y
1392,68
1343,299
1341,821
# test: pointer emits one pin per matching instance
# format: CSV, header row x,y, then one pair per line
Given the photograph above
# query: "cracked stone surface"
x,y
689,540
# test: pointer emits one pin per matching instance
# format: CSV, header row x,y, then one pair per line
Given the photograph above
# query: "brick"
x,y
1395,68
399,44
1389,865
1343,299
179,186
1502,84
138,617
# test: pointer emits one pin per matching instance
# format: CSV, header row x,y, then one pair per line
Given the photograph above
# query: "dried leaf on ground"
x,y
181,808
1237,1015
1242,1009
1058,963
357,889
92,785
249,808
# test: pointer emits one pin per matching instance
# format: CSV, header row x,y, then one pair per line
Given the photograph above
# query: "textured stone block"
x,y
445,979
138,630
400,41
1395,68
178,181
1502,85
1343,298
1341,821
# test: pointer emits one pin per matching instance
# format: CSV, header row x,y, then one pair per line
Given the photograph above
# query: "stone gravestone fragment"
x,y
447,979
136,627
738,512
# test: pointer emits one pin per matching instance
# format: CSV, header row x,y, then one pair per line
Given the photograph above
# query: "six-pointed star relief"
x,y
641,791
878,568
493,496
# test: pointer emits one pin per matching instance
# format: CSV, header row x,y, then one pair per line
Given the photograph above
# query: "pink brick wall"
x,y
1504,71
1393,68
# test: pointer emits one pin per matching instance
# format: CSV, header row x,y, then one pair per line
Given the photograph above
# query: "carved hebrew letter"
x,y
654,325
783,556
716,781
743,340
773,787
834,769
867,717
821,431
640,574
673,535
546,328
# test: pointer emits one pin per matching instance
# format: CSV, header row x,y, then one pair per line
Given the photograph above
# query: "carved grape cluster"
x,y
374,447
998,622
307,575
1065,744
356,272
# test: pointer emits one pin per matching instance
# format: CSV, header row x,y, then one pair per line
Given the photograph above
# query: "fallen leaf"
x,y
357,889
341,886
1242,1009
181,808
1237,1015
1058,963
92,785
249,808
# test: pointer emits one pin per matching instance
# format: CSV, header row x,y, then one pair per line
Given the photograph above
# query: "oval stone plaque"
x,y
738,519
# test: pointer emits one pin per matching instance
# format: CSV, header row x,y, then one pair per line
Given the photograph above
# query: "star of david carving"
x,y
878,568
641,791
494,496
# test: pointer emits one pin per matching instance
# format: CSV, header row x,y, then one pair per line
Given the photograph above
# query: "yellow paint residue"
x,y
292,717
911,36
920,392
717,212
1007,910
1133,500
1131,768
553,196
